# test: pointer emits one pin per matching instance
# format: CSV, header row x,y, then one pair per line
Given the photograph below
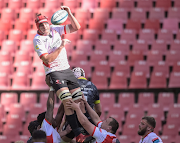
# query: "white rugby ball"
x,y
59,17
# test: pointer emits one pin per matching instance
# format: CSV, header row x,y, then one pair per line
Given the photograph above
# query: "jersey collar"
x,y
82,78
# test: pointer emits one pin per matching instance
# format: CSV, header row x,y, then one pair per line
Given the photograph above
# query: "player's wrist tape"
x,y
51,88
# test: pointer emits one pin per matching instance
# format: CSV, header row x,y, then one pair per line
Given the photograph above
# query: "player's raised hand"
x,y
66,8
65,41
72,105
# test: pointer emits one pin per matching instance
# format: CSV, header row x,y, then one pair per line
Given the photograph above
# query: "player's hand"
x,y
48,80
83,99
72,105
64,42
66,8
68,129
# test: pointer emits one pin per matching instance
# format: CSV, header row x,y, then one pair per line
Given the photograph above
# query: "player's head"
x,y
33,125
146,125
78,72
39,136
110,125
42,24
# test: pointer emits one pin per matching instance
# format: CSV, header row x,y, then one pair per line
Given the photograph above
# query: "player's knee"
x,y
65,94
77,94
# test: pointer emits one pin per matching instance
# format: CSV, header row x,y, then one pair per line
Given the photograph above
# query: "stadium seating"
x,y
123,66
171,24
135,56
90,34
128,4
142,66
165,4
175,45
5,25
174,80
115,24
145,4
121,45
27,14
172,57
133,24
165,35
138,14
8,14
176,67
141,45
15,5
4,82
120,13
153,56
53,4
103,45
115,56
152,24
129,35
158,80
156,14
33,4
109,4
97,24
147,35
159,45
161,66
173,12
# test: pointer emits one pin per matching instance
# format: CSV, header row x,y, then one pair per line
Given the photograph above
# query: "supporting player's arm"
x,y
98,109
87,125
74,26
50,107
59,115
48,58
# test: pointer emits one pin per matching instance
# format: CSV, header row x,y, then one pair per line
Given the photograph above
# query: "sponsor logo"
x,y
37,47
58,82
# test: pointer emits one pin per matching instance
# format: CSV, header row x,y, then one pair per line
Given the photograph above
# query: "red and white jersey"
x,y
101,135
48,44
151,138
51,133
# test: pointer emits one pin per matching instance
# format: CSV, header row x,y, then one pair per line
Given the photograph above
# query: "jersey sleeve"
x,y
96,95
98,134
47,127
39,47
60,29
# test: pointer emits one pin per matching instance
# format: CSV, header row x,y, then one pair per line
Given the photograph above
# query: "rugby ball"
x,y
59,17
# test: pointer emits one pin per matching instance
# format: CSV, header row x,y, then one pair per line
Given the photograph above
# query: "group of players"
x,y
78,96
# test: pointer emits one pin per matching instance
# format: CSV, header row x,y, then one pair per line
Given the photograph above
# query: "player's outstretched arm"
x,y
94,116
88,126
50,107
59,115
48,58
74,26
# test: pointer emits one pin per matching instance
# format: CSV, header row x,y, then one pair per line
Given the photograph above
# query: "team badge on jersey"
x,y
37,47
156,140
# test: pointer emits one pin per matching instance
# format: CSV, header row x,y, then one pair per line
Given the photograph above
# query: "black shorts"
x,y
64,78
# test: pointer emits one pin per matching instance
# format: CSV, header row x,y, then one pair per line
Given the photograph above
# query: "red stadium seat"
x,y
174,12
103,45
101,13
97,24
172,57
165,35
9,46
128,4
129,35
36,61
154,56
165,4
22,25
2,4
20,57
5,25
152,24
72,4
129,129
5,56
174,80
147,35
115,56
176,3
138,80
7,99
27,46
158,80
73,37
33,4
173,117
8,14
115,24
102,66
79,55
84,45
25,67
135,56
100,80
171,24
27,14
176,67
43,99
121,45
161,66
138,14
23,138
109,35
142,66
89,4
156,14
8,130
82,14
122,66
28,98
120,13
140,45
166,99
90,34
125,100
52,4
145,99
118,80
124,138
38,82
20,81
31,33
15,4
5,81
159,45
97,56
6,67
16,35
2,36
166,138
133,24
109,4
171,129
175,45
145,4
177,139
